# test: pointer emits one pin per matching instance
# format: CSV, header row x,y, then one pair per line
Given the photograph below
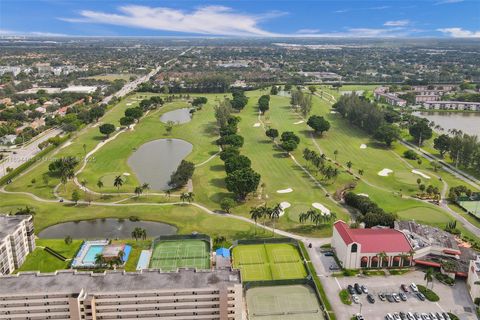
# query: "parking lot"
x,y
452,299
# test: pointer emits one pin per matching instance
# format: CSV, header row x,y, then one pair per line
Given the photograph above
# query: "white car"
x,y
410,316
389,317
355,299
396,316
414,287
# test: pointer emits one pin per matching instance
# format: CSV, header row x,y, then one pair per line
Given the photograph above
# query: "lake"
x,y
155,161
178,116
105,229
468,122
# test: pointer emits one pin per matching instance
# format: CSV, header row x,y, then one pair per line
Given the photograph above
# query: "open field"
x,y
171,255
114,76
268,262
41,260
297,302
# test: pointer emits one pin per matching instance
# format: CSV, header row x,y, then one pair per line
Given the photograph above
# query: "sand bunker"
x,y
333,112
129,104
284,205
298,122
258,124
363,146
363,195
321,207
288,190
421,174
385,172
126,174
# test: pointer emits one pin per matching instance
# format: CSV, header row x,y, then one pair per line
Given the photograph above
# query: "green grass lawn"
x,y
137,247
268,262
41,260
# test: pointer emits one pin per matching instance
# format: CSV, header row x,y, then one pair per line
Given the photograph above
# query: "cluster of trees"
x,y
369,117
372,214
420,130
132,115
463,149
181,176
63,168
199,101
289,141
316,217
264,212
239,99
302,101
319,124
264,103
318,161
430,191
459,191
152,103
241,178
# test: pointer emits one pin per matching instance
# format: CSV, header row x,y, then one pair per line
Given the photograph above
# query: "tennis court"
x,y
472,207
170,255
277,261
295,302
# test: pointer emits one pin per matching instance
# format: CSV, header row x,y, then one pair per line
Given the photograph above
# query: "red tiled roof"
x,y
374,240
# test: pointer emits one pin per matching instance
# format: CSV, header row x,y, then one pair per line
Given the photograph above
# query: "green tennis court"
x,y
277,261
295,302
171,255
472,207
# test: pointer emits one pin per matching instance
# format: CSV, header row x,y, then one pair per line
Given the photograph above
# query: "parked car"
x,y
395,297
328,254
439,316
334,267
410,316
389,317
420,296
381,296
425,316
404,287
355,299
350,289
417,316
414,287
403,296
360,317
433,316
358,289
364,289
446,316
370,298
403,315
390,298
396,316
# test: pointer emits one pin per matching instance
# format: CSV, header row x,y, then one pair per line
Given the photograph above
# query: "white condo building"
x,y
17,240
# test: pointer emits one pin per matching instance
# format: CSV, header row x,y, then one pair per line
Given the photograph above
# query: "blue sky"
x,y
313,18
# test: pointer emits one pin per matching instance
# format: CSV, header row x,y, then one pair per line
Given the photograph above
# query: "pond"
x,y
105,229
468,122
155,161
178,116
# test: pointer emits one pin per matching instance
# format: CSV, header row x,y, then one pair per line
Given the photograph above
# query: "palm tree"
x,y
84,185
100,184
335,153
183,197
255,214
137,233
167,194
118,182
429,276
383,257
275,214
361,172
144,234
138,191
99,261
121,255
146,186
190,197
349,165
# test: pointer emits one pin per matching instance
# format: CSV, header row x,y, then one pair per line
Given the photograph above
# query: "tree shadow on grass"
x,y
218,167
219,183
210,129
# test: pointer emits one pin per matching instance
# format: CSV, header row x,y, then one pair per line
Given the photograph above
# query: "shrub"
x,y
429,294
410,154
345,297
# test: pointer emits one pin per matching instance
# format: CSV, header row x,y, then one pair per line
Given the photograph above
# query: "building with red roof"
x,y
370,248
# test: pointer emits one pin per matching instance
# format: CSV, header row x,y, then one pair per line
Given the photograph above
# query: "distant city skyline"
x,y
376,19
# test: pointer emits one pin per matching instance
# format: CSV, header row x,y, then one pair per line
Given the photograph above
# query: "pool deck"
x,y
78,261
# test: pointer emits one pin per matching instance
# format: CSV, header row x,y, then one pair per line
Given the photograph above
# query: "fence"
x,y
197,236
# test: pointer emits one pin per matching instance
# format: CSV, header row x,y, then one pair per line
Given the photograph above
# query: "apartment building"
x,y
452,105
381,93
17,240
147,294
474,279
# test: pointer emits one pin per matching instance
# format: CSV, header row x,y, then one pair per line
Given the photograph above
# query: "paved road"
x,y
25,153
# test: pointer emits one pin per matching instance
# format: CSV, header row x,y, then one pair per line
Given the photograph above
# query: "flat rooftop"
x,y
8,224
69,281
421,235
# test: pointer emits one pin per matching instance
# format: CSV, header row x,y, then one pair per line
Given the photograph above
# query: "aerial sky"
x,y
242,18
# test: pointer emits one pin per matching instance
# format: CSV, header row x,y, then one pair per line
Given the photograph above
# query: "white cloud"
x,y
308,31
362,33
448,1
379,8
207,20
397,23
4,32
460,33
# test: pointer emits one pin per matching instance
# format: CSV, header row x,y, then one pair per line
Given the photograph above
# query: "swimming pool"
x,y
92,252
